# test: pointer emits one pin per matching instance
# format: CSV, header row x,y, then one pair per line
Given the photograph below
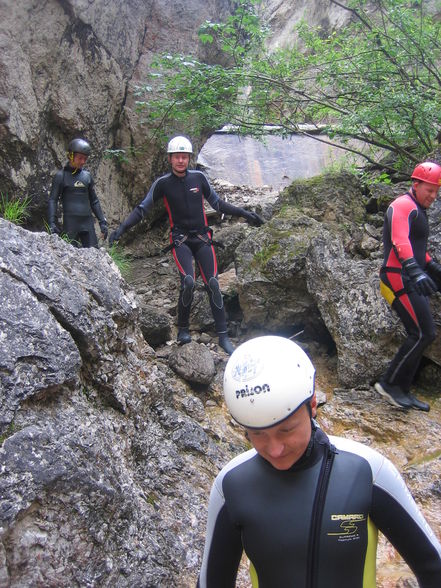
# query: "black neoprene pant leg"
x,y
205,257
416,316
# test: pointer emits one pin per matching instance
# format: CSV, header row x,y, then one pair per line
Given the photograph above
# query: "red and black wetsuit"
x,y
405,235
76,189
190,236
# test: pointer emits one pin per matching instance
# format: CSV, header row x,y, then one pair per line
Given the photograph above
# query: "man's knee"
x,y
215,293
187,290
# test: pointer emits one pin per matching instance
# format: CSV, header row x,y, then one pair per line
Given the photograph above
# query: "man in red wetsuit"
x,y
408,277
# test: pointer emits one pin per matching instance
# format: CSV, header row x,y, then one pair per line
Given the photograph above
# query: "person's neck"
x,y
72,167
313,451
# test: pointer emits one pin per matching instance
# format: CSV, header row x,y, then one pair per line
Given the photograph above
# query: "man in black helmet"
x,y
183,192
76,188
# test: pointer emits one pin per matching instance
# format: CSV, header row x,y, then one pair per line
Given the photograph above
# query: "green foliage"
x,y
14,210
262,257
120,259
10,430
122,155
185,93
373,86
62,235
383,178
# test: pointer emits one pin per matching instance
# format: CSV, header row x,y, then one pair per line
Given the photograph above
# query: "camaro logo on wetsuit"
x,y
79,184
347,530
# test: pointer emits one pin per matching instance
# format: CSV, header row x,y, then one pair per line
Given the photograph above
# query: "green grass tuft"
x,y
120,259
14,210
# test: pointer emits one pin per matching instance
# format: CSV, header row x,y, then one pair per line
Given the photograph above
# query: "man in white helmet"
x,y
303,506
183,192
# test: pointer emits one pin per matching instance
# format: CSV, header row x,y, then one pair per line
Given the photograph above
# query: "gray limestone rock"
x,y
105,464
193,362
155,325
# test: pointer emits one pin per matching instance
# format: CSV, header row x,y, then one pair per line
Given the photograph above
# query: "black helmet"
x,y
79,146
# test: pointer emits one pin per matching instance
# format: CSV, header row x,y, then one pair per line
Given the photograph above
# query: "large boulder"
x,y
105,462
313,270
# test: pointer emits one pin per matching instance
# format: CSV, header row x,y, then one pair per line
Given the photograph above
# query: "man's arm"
x,y
398,517
223,545
96,209
137,214
395,513
399,217
226,208
55,193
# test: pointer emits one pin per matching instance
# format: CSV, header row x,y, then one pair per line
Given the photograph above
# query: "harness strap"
x,y
205,234
388,294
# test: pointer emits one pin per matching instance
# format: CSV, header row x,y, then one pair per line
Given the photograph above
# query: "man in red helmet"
x,y
408,277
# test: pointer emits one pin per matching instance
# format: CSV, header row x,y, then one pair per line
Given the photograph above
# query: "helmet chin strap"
x,y
70,156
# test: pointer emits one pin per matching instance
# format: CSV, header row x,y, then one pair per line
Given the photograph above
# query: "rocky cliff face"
x,y
69,67
100,441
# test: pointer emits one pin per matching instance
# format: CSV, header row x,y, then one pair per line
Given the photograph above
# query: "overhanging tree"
x,y
371,86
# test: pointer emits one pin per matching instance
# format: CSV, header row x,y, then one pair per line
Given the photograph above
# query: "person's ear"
x,y
313,404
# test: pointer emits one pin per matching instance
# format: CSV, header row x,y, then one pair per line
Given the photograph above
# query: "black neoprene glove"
x,y
421,281
252,218
433,268
134,217
54,230
116,235
104,229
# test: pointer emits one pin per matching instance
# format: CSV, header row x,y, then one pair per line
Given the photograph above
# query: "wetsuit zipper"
x,y
317,515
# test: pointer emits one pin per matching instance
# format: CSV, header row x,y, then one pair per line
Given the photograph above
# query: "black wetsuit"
x,y
405,235
190,236
314,525
78,197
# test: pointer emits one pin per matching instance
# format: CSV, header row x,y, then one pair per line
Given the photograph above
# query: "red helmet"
x,y
427,172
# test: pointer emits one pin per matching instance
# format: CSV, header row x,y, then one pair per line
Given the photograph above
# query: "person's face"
x,y
425,193
283,445
179,163
78,160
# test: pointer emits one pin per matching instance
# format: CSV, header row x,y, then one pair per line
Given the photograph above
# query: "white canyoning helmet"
x,y
266,380
179,145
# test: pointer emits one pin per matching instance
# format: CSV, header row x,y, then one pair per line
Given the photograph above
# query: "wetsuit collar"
x,y
180,177
314,451
72,170
412,195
